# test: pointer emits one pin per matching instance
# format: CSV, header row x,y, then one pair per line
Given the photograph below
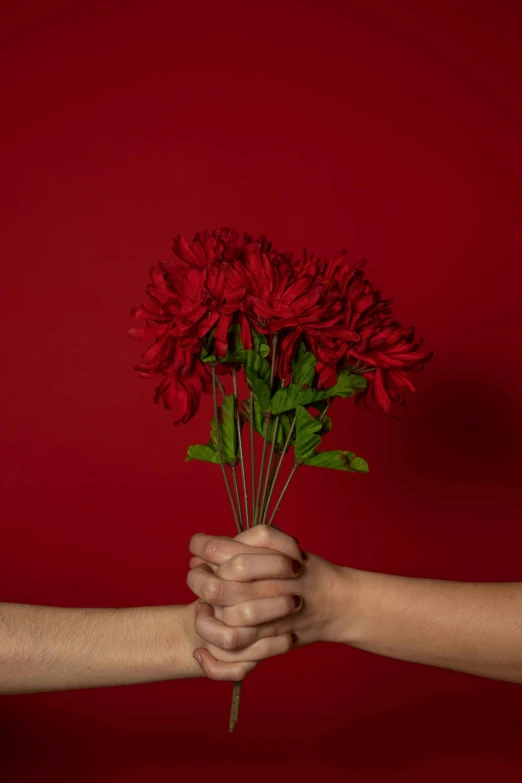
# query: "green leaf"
x,y
296,394
326,424
259,423
319,405
262,393
236,349
307,437
338,460
205,453
228,435
359,464
285,424
257,371
260,343
304,365
227,430
207,352
259,419
301,349
256,367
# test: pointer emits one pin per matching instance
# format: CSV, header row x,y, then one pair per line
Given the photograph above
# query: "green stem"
x,y
236,690
292,474
240,445
326,408
252,457
220,451
287,484
238,499
269,472
268,417
278,468
234,709
261,469
221,387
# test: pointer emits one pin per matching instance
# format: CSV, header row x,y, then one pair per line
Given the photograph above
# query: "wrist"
x,y
345,606
190,641
164,639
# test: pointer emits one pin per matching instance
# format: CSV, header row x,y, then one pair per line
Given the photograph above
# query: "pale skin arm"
x,y
469,627
45,648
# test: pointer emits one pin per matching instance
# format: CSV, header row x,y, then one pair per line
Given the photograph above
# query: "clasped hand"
x,y
260,596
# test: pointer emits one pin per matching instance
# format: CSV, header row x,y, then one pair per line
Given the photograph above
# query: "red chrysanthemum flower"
x,y
208,278
224,278
172,355
294,298
386,349
389,353
200,291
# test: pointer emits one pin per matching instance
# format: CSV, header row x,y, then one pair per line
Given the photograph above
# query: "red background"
x,y
388,128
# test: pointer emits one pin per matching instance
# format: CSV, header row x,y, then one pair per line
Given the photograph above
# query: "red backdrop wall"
x,y
392,129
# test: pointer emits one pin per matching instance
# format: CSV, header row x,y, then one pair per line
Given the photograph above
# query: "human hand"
x,y
313,606
239,584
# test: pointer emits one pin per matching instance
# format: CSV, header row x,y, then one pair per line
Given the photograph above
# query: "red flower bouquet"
x,y
302,329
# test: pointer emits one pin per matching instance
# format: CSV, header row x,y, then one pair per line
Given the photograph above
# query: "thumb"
x,y
222,670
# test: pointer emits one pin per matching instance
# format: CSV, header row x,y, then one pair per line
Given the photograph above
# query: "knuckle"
x,y
230,640
263,534
247,614
213,591
237,565
211,548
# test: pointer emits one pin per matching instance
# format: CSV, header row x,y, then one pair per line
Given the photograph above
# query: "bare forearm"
x,y
50,648
475,628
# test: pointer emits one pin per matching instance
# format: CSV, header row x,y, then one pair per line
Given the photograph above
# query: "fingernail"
x,y
296,566
297,600
197,657
304,556
294,637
